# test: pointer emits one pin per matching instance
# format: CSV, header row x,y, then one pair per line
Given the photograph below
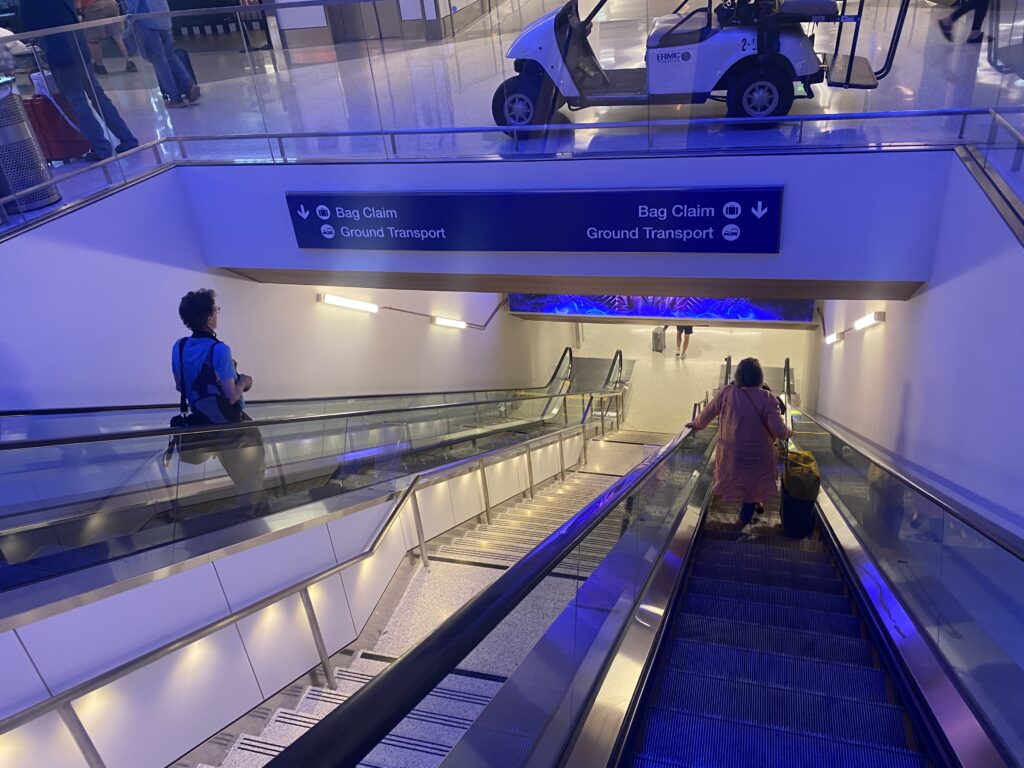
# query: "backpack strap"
x,y
181,369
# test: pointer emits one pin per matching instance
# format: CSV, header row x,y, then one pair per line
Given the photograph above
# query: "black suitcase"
x,y
798,516
183,57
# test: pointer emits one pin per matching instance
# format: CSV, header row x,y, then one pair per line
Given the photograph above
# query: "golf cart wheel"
x,y
757,92
520,102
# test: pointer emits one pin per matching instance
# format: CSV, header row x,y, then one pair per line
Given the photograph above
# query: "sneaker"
x,y
976,37
99,69
176,104
193,94
127,146
130,66
946,28
759,508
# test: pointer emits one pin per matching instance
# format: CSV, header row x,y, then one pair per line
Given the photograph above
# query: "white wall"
x,y
664,388
939,382
90,303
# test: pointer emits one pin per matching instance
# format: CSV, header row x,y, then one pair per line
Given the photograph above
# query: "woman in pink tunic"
x,y
749,424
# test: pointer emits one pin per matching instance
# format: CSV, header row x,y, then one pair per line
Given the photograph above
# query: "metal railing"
x,y
345,735
61,702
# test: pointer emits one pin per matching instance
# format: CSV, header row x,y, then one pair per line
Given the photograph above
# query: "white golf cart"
x,y
753,50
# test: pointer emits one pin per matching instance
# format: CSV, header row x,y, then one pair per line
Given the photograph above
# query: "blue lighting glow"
x,y
674,307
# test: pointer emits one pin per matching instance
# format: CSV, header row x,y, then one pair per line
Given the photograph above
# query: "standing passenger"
x,y
750,422
204,371
980,8
157,46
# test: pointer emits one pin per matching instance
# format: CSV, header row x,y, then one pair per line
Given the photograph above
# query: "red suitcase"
x,y
58,138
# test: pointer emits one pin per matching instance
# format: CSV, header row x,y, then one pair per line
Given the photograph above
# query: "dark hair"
x,y
749,373
195,308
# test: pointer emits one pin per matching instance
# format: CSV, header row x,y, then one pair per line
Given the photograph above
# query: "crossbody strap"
x,y
181,368
764,421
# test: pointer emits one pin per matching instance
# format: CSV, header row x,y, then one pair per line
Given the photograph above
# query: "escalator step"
x,y
756,548
716,531
809,675
787,642
786,709
691,741
729,572
752,612
776,564
793,598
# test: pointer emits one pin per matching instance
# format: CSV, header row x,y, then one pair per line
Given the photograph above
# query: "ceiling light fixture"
x,y
832,338
868,320
460,324
341,301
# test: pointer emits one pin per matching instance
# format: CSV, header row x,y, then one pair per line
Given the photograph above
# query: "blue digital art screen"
x,y
684,307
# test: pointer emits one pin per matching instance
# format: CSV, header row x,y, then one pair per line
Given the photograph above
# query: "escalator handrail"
x,y
1005,539
616,359
567,352
9,445
106,678
345,735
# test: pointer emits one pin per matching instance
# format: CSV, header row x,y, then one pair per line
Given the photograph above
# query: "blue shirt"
x,y
196,354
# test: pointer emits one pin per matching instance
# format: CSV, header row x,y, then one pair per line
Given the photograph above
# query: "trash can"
x,y
22,164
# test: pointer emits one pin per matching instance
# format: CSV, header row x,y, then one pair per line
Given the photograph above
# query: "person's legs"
x,y
179,71
679,340
686,343
110,115
153,49
965,7
980,10
72,81
747,512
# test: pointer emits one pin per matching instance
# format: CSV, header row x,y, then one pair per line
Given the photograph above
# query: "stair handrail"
x,y
614,368
62,700
345,735
728,371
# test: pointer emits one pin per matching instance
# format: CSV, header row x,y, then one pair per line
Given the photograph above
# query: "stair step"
x,y
782,596
798,711
714,530
785,642
741,559
675,739
809,675
729,572
767,614
755,548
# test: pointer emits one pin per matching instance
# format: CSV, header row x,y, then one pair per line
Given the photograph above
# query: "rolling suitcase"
x,y
58,137
801,482
658,340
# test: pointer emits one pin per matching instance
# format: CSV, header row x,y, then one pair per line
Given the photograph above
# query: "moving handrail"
x,y
348,733
225,428
998,535
566,354
62,701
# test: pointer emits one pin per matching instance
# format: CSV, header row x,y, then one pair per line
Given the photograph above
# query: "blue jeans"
x,y
158,48
78,84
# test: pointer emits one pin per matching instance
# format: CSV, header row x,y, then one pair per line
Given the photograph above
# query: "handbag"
x,y
191,449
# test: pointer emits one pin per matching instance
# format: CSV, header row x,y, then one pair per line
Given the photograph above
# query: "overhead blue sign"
x,y
712,220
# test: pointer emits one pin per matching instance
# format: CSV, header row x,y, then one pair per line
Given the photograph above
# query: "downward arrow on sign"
x,y
303,212
760,210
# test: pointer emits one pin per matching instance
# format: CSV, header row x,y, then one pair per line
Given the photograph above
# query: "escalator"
x,y
881,639
766,660
340,460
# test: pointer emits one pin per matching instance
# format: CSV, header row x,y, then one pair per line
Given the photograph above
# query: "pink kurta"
x,y
745,457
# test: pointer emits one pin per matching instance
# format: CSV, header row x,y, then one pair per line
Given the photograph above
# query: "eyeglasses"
x,y
216,309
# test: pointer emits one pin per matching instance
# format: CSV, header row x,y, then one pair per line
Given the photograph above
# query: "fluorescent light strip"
x,y
341,301
460,324
832,338
868,320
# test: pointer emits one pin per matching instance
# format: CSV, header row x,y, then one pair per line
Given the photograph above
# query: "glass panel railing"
x,y
71,504
329,81
958,584
545,627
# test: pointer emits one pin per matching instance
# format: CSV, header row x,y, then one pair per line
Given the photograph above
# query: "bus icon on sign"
x,y
731,232
732,210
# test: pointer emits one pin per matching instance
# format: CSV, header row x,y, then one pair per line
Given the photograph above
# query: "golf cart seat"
x,y
673,30
809,7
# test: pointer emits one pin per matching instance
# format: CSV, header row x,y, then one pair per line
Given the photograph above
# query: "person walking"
x,y
157,46
204,370
746,460
980,8
95,10
67,55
